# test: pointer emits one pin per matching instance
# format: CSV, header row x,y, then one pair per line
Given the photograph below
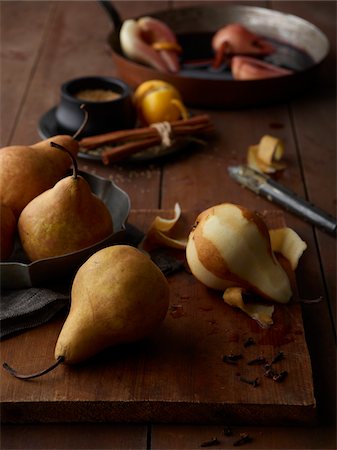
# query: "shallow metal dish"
x,y
18,273
49,127
210,90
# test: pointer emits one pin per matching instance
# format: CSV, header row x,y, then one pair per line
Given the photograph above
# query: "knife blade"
x,y
264,185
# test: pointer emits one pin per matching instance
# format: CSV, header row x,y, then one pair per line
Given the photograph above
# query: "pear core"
x,y
118,295
230,246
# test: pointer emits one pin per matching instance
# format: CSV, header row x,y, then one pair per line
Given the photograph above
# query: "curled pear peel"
x,y
259,312
230,246
159,233
118,296
267,155
288,243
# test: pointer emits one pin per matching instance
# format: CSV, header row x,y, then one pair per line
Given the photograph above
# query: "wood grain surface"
x,y
176,375
46,43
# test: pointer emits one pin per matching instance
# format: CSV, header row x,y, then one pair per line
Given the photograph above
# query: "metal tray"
x,y
18,273
206,89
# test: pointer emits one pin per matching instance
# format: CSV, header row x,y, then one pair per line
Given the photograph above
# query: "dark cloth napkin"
x,y
28,308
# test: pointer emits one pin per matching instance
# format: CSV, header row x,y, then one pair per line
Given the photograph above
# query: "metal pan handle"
x,y
112,13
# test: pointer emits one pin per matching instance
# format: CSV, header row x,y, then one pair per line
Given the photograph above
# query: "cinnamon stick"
x,y
178,126
122,151
115,136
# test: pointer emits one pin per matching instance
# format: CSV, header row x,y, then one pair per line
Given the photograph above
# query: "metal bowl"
x,y
212,90
18,273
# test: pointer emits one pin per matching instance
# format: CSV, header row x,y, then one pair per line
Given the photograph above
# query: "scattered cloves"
x,y
213,441
244,439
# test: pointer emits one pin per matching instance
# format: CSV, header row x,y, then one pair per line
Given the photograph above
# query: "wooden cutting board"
x,y
176,375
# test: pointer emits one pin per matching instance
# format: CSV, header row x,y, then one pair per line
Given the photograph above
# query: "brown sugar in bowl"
x,y
108,102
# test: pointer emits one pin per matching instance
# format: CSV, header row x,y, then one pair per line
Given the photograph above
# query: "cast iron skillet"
x,y
302,46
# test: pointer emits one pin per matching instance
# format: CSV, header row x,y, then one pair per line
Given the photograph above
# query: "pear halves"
x,y
64,219
230,246
118,295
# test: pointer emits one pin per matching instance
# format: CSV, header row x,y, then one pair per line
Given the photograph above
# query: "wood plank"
x,y
19,56
73,436
177,375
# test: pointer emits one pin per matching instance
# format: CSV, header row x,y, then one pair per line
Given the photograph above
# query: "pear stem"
x,y
84,123
15,374
75,166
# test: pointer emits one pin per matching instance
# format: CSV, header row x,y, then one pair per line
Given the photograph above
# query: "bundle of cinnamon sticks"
x,y
124,143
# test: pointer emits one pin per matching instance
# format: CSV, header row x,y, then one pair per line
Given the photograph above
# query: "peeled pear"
x,y
8,229
118,295
229,246
27,171
64,219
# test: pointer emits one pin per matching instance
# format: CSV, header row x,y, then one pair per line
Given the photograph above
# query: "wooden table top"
x,y
46,43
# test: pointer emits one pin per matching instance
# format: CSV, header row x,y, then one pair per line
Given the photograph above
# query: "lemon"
x,y
159,101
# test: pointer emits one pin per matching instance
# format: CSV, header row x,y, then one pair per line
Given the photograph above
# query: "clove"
x,y
244,439
269,371
278,357
254,383
231,359
279,377
213,441
248,342
257,361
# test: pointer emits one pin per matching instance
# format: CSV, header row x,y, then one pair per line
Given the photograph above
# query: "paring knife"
x,y
264,185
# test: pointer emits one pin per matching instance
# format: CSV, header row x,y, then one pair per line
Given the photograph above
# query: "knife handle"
x,y
299,206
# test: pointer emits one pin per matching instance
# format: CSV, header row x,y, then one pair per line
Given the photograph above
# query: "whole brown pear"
x,y
8,231
27,171
118,295
64,219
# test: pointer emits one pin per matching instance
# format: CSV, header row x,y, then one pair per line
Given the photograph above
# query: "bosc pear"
x,y
118,296
27,171
64,219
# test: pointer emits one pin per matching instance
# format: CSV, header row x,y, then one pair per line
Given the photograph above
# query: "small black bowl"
x,y
103,115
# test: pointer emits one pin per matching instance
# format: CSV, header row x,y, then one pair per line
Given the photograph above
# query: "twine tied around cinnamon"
x,y
164,130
